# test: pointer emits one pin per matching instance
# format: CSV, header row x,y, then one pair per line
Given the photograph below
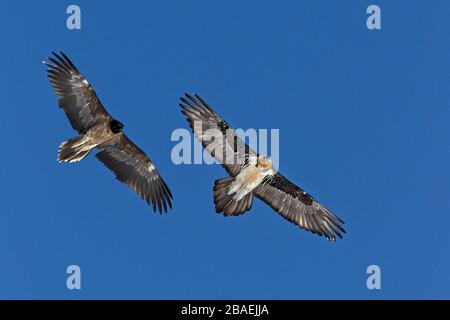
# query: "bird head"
x,y
264,163
116,126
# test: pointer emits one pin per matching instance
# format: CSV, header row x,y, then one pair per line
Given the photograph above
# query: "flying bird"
x,y
253,175
98,130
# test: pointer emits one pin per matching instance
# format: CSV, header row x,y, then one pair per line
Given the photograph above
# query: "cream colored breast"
x,y
250,176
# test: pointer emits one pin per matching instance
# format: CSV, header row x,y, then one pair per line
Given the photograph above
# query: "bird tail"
x,y
226,203
73,150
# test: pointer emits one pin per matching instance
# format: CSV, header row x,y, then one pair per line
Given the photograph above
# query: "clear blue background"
x,y
364,126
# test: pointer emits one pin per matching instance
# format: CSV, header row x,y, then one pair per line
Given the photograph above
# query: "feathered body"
x,y
79,147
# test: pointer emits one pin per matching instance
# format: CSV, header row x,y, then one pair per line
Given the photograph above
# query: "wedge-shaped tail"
x,y
225,202
73,150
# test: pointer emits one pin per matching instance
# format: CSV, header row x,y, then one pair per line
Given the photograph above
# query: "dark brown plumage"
x,y
99,130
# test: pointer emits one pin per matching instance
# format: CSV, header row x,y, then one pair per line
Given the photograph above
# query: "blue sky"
x,y
363,118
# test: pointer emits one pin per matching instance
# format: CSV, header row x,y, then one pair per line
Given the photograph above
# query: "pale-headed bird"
x,y
252,175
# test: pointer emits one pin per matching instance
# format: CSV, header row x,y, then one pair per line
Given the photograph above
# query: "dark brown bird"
x,y
97,129
252,175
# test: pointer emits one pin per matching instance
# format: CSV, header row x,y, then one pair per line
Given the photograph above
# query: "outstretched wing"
x,y
133,168
215,134
76,96
299,207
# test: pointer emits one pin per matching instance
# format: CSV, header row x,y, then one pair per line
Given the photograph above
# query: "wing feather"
x,y
298,207
76,96
215,134
134,168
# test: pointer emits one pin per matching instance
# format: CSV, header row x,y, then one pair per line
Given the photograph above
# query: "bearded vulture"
x,y
97,129
252,174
